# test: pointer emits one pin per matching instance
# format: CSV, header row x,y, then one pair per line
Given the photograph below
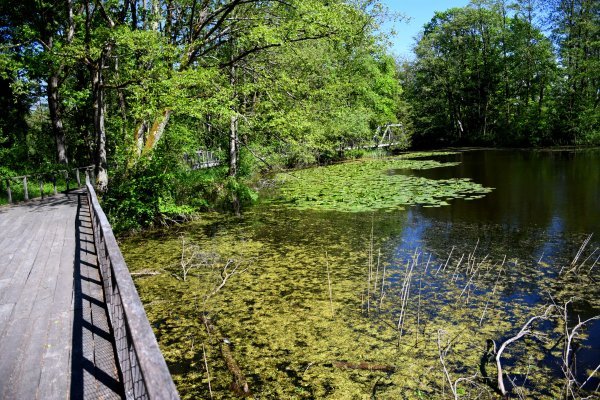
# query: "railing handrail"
x,y
155,375
40,176
45,173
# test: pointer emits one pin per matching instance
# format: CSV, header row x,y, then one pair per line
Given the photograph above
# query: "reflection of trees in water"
x,y
531,188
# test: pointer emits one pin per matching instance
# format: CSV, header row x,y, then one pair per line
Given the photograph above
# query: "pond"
x,y
387,278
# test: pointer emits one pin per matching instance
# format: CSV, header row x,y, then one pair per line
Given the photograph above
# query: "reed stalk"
x,y
382,286
207,371
329,284
377,270
455,274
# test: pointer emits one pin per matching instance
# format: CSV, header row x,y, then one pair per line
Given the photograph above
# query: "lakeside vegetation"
x,y
133,86
359,271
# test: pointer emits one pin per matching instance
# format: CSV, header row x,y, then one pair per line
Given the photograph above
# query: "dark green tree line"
x,y
489,74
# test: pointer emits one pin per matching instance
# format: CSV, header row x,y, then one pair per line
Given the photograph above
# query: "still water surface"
x,y
543,206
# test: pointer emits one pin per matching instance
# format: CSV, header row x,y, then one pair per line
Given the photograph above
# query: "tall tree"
x,y
40,30
576,32
481,73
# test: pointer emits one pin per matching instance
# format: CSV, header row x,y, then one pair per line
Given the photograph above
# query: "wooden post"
x,y
8,190
41,188
25,192
78,178
54,183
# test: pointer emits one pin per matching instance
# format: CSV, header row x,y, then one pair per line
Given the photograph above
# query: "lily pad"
x,y
367,185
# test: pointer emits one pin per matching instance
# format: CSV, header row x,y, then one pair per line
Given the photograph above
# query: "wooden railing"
x,y
143,368
42,178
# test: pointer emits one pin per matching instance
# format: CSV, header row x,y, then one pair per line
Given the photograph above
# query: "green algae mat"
x,y
317,288
374,184
295,336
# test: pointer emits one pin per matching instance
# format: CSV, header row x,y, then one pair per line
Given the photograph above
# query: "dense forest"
x,y
134,86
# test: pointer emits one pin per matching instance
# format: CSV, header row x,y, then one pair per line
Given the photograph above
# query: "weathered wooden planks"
x,y
53,321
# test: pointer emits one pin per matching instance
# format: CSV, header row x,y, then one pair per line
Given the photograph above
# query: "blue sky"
x,y
420,12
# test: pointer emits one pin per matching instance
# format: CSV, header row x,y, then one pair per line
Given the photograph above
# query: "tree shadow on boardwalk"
x,y
94,373
43,204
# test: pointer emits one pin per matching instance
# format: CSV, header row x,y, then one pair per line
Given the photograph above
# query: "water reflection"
x,y
544,205
532,188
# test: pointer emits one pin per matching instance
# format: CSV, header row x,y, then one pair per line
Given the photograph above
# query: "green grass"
x,y
33,189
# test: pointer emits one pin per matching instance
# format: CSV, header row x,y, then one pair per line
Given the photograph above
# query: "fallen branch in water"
x,y
239,384
568,360
207,371
225,275
145,272
525,330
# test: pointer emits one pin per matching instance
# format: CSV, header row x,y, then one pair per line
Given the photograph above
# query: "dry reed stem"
x,y
427,265
382,286
455,274
573,265
377,270
370,270
405,294
593,265
448,260
329,284
207,371
587,258
419,306
442,356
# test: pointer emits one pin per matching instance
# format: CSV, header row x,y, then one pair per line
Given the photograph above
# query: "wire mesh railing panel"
x,y
143,369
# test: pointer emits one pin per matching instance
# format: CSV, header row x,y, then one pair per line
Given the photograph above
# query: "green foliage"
x,y
133,199
487,74
576,33
237,190
277,84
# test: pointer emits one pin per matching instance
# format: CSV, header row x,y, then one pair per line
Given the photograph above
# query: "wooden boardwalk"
x,y
55,339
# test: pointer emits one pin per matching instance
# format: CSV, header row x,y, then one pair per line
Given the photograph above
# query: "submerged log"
x,y
365,366
239,385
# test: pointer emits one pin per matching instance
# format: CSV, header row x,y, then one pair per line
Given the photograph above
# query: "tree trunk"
x,y
154,19
233,146
99,108
56,119
156,131
233,131
138,141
